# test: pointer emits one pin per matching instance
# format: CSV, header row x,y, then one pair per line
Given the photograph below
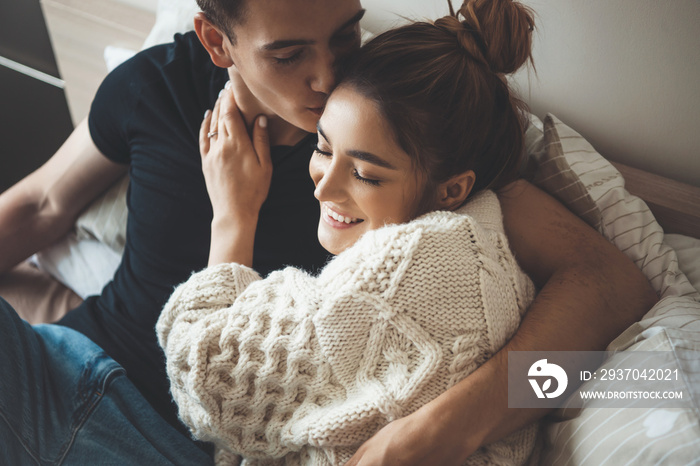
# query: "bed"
x,y
653,219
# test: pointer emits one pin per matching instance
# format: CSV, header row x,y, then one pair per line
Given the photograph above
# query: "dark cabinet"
x,y
34,115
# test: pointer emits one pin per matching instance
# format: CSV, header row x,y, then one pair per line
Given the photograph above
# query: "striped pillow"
x,y
571,170
560,173
633,436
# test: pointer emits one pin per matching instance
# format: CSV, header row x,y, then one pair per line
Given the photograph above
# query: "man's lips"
x,y
316,110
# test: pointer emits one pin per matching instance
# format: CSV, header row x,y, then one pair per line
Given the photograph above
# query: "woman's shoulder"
x,y
443,235
485,208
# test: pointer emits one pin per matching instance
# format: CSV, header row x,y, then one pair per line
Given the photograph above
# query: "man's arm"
x,y
42,207
591,292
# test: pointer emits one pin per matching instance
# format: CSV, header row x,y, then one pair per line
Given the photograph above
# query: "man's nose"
x,y
323,79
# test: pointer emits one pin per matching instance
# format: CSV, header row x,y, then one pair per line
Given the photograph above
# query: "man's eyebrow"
x,y
281,44
352,21
360,154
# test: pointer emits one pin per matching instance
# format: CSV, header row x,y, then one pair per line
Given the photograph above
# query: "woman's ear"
x,y
453,192
213,40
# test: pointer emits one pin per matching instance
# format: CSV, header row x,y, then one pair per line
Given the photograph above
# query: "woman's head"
x,y
438,93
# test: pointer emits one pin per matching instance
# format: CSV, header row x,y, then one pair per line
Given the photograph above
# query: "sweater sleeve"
x,y
274,368
243,358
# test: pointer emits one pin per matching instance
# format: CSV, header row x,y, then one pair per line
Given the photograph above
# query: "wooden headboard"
x,y
675,205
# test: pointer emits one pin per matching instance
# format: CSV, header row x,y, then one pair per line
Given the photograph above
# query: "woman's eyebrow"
x,y
371,158
360,154
320,131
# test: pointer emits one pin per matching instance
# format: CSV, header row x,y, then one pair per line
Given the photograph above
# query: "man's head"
x,y
285,52
225,15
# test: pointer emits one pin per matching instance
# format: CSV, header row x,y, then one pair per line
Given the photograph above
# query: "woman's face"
x,y
363,179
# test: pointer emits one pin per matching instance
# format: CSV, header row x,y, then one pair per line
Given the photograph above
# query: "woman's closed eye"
x,y
355,172
361,178
321,152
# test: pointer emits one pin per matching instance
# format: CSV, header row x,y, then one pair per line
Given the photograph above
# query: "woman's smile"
x,y
337,220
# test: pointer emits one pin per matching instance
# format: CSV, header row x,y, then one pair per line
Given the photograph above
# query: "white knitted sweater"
x,y
297,369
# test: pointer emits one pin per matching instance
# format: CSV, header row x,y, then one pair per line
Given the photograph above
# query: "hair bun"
x,y
497,33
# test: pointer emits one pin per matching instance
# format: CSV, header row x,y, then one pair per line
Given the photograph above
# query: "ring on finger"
x,y
211,134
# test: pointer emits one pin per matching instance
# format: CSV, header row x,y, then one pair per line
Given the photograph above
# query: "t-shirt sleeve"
x,y
111,110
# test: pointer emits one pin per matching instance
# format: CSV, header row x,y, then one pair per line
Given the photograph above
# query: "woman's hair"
x,y
443,90
224,14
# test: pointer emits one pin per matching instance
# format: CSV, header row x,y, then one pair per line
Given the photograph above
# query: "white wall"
x,y
149,5
623,73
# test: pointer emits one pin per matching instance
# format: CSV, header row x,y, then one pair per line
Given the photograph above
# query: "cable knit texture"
x,y
297,369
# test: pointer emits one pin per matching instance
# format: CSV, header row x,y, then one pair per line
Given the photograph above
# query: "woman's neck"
x,y
282,133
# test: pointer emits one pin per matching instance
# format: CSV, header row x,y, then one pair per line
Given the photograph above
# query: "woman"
x,y
303,369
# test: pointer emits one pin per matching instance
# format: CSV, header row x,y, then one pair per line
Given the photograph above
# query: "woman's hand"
x,y
237,172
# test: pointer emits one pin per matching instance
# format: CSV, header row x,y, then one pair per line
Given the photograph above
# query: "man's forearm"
x,y
42,207
475,412
26,226
602,303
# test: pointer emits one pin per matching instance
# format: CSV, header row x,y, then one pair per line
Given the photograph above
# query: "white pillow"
x,y
688,251
172,16
85,263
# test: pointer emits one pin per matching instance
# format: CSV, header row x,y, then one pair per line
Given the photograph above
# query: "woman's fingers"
x,y
230,118
214,124
261,142
204,142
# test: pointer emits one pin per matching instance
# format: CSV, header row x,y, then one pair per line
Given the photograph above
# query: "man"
x,y
280,58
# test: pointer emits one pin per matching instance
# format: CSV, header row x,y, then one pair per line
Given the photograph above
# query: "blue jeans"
x,y
64,401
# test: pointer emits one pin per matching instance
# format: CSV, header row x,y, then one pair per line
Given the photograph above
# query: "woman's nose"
x,y
328,184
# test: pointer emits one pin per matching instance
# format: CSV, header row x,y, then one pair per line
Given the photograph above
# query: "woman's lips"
x,y
337,220
316,110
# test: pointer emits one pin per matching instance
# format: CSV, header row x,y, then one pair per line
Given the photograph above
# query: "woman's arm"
x,y
590,293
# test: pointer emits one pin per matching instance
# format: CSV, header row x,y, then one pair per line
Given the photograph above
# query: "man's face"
x,y
286,52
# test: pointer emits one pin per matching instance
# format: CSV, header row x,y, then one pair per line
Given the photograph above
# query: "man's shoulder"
x,y
184,56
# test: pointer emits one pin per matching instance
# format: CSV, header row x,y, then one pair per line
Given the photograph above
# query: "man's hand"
x,y
415,440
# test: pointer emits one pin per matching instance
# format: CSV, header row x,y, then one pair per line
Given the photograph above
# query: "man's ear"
x,y
453,192
213,40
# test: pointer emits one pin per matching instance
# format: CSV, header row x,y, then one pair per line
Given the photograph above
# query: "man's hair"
x,y
224,14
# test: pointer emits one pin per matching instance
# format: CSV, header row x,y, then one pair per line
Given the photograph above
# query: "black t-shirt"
x,y
147,113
